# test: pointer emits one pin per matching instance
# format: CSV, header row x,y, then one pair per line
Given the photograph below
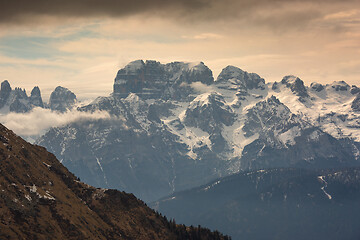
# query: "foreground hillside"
x,y
274,204
41,199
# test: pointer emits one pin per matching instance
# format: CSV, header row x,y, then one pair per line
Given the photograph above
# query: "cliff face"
x,y
16,100
41,199
172,127
151,79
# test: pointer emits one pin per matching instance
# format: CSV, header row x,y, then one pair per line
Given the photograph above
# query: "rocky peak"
x,y
296,85
354,90
151,79
135,103
18,101
269,114
208,111
340,86
240,78
199,72
355,105
143,78
20,93
5,87
4,92
317,86
134,67
275,86
35,97
35,92
62,99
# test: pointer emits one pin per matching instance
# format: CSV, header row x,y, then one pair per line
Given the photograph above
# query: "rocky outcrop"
x,y
151,79
17,100
317,87
4,93
240,79
62,99
355,105
340,86
35,97
354,90
296,85
209,112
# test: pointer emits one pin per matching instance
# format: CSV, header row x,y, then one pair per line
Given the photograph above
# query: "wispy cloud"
x,y
39,120
204,36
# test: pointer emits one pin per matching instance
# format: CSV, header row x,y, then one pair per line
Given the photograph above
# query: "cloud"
x,y
277,13
35,123
204,36
201,88
343,14
21,10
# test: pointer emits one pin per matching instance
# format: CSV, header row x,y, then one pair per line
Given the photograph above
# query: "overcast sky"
x,y
81,44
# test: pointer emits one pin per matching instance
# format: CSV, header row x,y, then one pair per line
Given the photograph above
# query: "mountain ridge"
x,y
190,130
273,204
41,199
16,100
174,125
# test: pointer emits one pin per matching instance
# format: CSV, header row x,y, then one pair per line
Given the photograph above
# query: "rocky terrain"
x,y
16,100
174,127
41,199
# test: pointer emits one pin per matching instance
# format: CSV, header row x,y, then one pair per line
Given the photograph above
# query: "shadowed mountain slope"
x,y
274,204
41,199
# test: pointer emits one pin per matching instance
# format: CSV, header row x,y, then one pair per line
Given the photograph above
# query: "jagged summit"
x,y
355,105
296,85
354,90
17,100
62,99
151,79
134,67
14,100
240,78
208,112
35,97
176,127
340,86
4,92
318,87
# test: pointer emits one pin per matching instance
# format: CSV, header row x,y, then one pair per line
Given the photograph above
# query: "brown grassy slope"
x,y
41,199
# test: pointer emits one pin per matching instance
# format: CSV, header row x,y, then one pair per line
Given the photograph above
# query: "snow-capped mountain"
x,y
173,127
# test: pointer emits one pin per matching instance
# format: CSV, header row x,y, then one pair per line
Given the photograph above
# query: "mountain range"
x,y
254,159
174,127
16,100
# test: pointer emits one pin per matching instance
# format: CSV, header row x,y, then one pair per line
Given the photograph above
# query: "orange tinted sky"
x,y
81,44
